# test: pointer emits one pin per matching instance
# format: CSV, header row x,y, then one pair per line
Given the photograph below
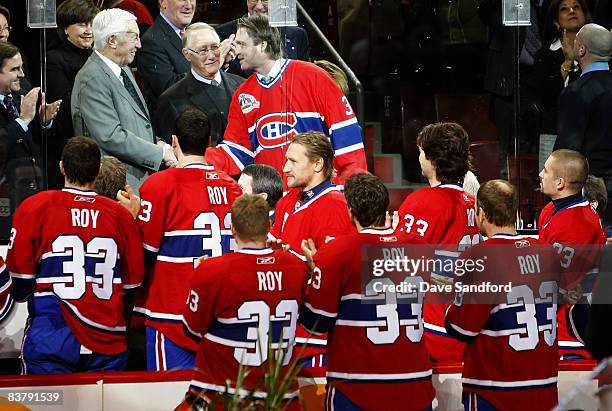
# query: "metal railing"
x,y
352,78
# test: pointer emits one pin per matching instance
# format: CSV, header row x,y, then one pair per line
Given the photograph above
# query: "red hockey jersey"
x,y
574,229
234,314
76,252
6,301
317,214
375,353
184,214
441,215
265,115
511,357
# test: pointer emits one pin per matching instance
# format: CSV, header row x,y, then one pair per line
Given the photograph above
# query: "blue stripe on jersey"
x,y
366,310
53,266
346,136
190,246
315,322
506,318
242,156
239,331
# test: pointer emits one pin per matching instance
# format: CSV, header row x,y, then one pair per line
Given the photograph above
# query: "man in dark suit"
x,y
106,104
585,105
20,171
205,86
160,61
295,39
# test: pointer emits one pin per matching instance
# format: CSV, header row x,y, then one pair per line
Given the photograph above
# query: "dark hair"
x,y
250,217
317,146
192,130
550,32
499,201
112,177
595,189
572,167
6,13
259,30
75,11
81,160
367,198
7,51
265,180
447,146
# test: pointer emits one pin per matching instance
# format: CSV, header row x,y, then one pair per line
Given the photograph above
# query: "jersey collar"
x,y
275,73
201,166
569,202
454,186
379,231
306,196
255,251
79,191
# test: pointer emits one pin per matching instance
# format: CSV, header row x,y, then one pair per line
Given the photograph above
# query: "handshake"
x,y
169,158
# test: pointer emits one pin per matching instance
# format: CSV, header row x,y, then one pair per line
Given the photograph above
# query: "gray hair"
x,y
597,40
197,27
107,23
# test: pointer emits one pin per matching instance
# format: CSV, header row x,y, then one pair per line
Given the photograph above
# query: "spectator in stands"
x,y
20,155
264,181
585,124
500,78
294,39
106,104
205,86
5,31
161,62
74,18
595,191
336,73
555,65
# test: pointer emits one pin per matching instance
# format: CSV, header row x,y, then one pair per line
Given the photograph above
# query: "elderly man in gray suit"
x,y
107,105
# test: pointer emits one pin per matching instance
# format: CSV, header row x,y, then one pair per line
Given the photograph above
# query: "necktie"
x,y
214,83
181,32
132,90
9,103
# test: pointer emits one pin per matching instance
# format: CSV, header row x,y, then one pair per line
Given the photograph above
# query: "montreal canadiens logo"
x,y
276,129
247,103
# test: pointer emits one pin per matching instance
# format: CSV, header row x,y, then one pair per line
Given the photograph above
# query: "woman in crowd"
x,y
74,18
554,63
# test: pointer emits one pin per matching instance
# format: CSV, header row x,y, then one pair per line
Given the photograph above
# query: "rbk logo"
x,y
276,129
212,176
265,260
522,244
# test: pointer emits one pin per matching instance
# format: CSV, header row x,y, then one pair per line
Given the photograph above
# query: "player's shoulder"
x,y
41,200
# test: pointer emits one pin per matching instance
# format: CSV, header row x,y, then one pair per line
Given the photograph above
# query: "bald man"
x,y
585,123
571,225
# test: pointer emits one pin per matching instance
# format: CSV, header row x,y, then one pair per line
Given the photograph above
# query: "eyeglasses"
x,y
204,52
6,28
254,2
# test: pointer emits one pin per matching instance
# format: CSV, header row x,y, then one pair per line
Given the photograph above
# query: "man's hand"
x,y
276,244
129,200
169,158
28,105
47,112
228,50
309,249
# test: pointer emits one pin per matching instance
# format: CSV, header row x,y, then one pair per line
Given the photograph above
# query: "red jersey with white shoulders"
x,y
266,114
317,214
185,213
234,314
511,357
76,252
575,230
6,301
376,355
443,215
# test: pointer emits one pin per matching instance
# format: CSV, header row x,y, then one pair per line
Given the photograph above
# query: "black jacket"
x,y
214,101
63,64
160,61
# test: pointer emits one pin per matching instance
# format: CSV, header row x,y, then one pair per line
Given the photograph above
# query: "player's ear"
x,y
263,195
61,166
174,143
186,54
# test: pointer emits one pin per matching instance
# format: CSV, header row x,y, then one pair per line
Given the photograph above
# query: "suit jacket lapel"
x,y
199,93
118,84
170,34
